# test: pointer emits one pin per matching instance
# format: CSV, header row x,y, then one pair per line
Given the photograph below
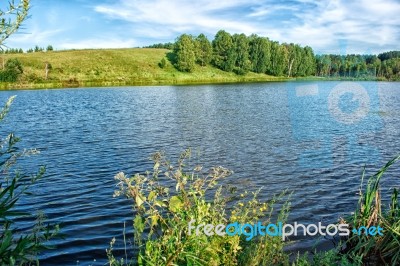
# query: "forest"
x,y
240,54
226,58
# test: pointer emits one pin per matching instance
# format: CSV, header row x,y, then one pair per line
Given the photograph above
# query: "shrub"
x,y
163,213
162,63
12,70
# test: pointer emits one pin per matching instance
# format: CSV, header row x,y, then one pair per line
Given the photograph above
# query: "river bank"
x,y
121,67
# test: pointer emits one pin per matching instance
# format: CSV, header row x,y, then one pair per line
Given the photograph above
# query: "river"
x,y
312,138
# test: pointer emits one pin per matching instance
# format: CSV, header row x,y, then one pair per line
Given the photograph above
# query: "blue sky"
x,y
336,26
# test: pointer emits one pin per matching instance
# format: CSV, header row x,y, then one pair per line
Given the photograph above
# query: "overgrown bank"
x,y
170,202
114,67
129,67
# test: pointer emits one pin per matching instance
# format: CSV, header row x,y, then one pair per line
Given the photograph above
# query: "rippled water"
x,y
273,135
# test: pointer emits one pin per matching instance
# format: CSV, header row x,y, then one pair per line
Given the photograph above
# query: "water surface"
x,y
272,135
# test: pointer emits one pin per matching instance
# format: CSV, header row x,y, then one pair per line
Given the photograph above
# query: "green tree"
x,y
293,58
260,54
184,50
240,53
309,61
279,59
49,48
323,65
203,50
223,51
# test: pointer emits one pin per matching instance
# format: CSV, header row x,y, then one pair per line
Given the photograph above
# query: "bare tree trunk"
x,y
46,69
290,67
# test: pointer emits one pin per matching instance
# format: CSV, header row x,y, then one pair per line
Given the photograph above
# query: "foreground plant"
x,y
375,250
12,18
16,247
168,199
361,248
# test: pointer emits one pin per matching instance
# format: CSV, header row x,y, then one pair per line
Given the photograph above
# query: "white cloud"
x,y
363,27
97,43
329,26
34,36
178,16
362,24
265,10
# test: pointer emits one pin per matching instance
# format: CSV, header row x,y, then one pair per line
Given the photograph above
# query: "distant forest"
x,y
240,54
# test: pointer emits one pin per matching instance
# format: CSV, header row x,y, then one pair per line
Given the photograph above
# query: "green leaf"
x,y
159,203
152,195
154,220
138,224
175,204
139,200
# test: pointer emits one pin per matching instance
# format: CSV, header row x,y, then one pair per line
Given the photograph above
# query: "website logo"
x,y
279,230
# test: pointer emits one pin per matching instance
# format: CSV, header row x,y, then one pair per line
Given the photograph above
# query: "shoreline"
x,y
92,84
128,67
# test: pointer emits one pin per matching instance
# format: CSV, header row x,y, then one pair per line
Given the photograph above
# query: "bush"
x,y
17,248
12,70
163,214
162,63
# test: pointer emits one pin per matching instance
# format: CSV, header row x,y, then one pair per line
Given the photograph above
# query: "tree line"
x,y
240,54
383,66
30,50
168,45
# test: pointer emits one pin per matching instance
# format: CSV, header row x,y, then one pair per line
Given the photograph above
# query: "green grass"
x,y
115,67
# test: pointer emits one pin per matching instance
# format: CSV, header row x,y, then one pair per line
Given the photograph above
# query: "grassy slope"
x,y
113,67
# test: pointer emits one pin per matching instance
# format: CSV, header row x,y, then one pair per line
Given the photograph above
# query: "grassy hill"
x,y
114,67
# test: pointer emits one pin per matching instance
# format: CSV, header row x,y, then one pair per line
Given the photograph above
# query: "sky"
x,y
328,26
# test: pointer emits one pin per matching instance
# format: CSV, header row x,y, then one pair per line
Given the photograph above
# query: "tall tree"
x,y
260,54
203,50
291,58
184,50
279,59
323,65
240,53
222,47
309,61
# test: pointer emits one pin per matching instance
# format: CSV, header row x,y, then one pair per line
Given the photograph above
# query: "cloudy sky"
x,y
329,26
